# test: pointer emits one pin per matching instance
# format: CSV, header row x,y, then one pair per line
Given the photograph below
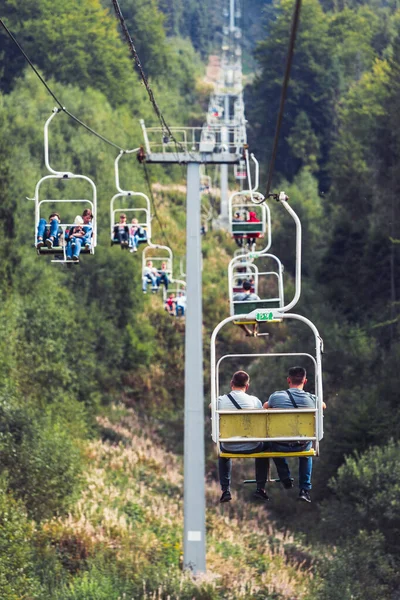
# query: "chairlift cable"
x,y
101,137
132,48
30,62
289,59
52,93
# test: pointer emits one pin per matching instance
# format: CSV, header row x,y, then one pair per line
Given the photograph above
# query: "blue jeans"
x,y
150,278
74,246
122,236
305,463
180,311
225,469
133,241
46,232
163,278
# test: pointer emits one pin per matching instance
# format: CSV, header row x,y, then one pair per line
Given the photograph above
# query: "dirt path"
x,y
213,69
176,187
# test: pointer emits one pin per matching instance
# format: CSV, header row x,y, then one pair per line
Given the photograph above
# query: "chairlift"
x,y
247,221
267,283
207,140
205,183
177,287
134,204
240,271
158,255
240,170
229,77
240,308
271,425
59,251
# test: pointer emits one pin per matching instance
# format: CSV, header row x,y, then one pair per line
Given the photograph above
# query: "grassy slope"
x,y
131,511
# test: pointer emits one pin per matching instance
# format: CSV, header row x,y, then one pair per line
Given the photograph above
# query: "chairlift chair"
x,y
143,213
240,170
207,140
177,286
243,307
158,254
240,202
59,251
261,276
272,425
135,204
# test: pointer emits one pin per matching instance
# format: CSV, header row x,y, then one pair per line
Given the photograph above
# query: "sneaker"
x,y
87,246
135,249
49,243
304,496
40,243
69,257
75,258
226,496
144,291
261,494
287,483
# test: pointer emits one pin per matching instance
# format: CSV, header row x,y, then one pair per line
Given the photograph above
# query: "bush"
x,y
41,458
367,496
359,571
17,579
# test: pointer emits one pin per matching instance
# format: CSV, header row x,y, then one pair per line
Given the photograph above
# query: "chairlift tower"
x,y
229,87
192,147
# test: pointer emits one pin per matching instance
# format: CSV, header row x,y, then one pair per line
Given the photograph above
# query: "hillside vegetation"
x,y
91,386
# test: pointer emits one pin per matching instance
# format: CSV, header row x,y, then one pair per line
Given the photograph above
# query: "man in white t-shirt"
x,y
241,401
180,304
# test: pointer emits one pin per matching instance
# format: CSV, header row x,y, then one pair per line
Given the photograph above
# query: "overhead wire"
x,y
135,55
62,108
289,59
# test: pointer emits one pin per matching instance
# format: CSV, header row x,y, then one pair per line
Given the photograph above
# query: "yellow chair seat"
x,y
269,454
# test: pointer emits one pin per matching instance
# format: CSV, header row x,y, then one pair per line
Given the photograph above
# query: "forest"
x,y
92,382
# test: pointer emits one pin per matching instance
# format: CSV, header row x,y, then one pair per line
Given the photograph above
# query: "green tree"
x,y
77,43
17,576
312,85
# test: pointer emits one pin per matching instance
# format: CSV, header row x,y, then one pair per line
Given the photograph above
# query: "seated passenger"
x,y
136,233
252,218
80,235
237,218
239,399
247,296
49,234
181,304
121,232
162,276
294,397
170,304
150,275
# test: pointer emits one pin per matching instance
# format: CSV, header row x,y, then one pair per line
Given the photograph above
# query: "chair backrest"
x,y
243,307
267,425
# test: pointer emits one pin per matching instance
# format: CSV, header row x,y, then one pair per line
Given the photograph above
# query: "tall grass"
x,y
125,532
